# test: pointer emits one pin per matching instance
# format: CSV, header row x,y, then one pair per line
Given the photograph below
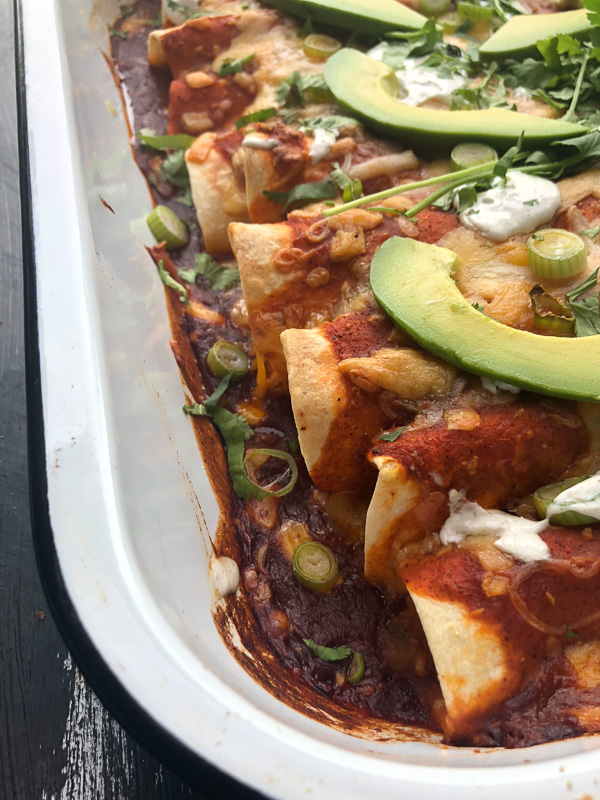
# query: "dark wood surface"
x,y
56,740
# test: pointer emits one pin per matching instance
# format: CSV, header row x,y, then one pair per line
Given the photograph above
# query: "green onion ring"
x,y
546,494
287,457
315,566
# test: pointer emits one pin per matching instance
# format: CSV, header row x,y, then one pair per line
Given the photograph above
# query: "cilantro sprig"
x,y
587,310
220,278
303,193
235,432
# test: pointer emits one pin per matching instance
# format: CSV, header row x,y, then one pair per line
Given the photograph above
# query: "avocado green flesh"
x,y
362,16
412,281
518,37
368,88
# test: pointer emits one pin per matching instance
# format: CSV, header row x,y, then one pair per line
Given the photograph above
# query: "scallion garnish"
x,y
168,228
357,668
543,497
315,566
556,253
472,154
225,358
264,454
319,46
550,314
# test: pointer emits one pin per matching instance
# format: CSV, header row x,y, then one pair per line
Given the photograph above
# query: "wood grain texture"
x,y
58,742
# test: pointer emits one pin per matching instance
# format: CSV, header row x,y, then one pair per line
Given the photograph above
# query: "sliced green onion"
x,y
473,12
225,358
317,45
550,314
554,253
434,8
472,154
357,668
315,566
547,494
451,22
168,228
287,457
353,190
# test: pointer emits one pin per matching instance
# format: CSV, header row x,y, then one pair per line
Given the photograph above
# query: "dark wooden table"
x,y
56,740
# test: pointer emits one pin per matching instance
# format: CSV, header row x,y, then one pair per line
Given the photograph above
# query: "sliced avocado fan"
x,y
362,16
369,89
518,38
413,282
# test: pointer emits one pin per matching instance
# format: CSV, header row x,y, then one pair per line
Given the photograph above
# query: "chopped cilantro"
x,y
570,634
188,13
235,431
392,435
220,278
532,202
327,653
299,90
178,141
478,307
591,232
303,193
116,32
351,188
233,65
256,116
586,311
171,282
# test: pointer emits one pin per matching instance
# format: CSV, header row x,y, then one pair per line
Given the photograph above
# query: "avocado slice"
x,y
413,283
364,16
518,37
369,88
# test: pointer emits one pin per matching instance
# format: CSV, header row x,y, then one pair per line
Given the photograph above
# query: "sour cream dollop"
x,y
520,205
516,536
259,142
583,497
419,84
224,576
322,143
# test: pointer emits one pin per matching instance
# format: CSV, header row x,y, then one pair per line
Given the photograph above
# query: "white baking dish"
x,y
123,508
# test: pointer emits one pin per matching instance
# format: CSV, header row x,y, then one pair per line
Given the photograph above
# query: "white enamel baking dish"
x,y
123,509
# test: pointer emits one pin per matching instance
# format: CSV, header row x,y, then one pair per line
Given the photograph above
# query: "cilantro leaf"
x,y
174,170
392,435
586,311
116,32
327,653
171,282
188,13
299,90
569,634
351,188
220,278
593,7
256,116
303,193
504,163
467,196
231,66
178,141
235,431
333,122
591,232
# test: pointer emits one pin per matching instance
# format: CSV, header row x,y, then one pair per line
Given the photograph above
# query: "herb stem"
x,y
479,171
431,198
570,116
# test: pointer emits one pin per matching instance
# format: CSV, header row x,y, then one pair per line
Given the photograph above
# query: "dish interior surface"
x,y
131,508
